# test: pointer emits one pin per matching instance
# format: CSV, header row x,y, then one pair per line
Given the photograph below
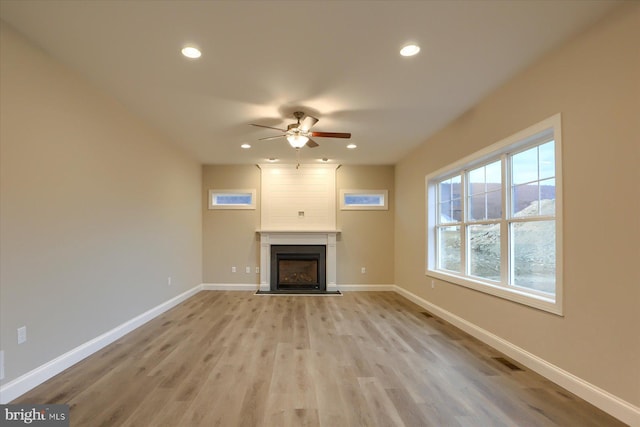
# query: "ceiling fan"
x,y
299,134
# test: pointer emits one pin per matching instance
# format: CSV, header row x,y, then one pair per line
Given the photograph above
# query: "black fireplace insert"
x,y
298,268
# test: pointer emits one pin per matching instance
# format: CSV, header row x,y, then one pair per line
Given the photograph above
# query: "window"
x,y
232,199
494,219
364,199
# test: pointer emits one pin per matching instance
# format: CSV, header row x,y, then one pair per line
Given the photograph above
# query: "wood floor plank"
x,y
363,359
383,411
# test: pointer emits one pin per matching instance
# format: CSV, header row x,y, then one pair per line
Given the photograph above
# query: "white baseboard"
x,y
230,286
37,376
365,288
602,399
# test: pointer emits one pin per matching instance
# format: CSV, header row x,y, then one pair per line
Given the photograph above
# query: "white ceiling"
x,y
335,60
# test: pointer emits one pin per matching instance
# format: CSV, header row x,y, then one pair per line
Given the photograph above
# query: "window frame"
x,y
242,192
536,135
384,194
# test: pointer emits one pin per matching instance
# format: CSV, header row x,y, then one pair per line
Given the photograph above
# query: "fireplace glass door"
x,y
298,267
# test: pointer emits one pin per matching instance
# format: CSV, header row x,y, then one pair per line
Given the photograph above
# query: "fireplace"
x,y
295,241
300,268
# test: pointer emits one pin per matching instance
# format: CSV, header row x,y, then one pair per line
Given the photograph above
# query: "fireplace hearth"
x,y
299,268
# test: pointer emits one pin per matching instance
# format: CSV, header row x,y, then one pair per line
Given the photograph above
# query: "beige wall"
x,y
366,238
594,82
229,236
96,211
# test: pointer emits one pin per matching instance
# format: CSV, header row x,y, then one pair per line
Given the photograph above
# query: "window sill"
x,y
550,305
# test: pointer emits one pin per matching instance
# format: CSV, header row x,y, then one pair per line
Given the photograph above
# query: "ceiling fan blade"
x,y
331,134
271,137
307,123
268,127
311,143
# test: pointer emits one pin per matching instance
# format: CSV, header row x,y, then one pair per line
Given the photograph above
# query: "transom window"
x,y
364,199
232,199
493,219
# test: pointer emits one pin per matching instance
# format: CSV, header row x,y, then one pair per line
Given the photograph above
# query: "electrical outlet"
x,y
22,334
169,281
1,364
247,270
257,270
363,270
233,269
433,284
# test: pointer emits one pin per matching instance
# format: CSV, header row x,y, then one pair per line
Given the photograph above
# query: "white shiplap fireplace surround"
x,y
298,207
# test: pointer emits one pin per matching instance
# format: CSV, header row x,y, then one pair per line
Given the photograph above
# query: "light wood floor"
x,y
363,359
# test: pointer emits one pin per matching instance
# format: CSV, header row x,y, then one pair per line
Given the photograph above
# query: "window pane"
x,y
533,255
548,207
524,200
455,186
449,189
456,209
485,192
484,251
524,166
449,248
548,197
476,181
547,155
232,199
364,199
494,175
477,209
494,205
444,191
445,213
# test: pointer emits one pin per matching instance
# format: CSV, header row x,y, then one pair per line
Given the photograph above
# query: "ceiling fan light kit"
x,y
297,141
299,134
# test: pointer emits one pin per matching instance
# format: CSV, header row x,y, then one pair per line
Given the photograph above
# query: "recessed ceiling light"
x,y
351,146
324,160
245,146
191,52
272,160
410,50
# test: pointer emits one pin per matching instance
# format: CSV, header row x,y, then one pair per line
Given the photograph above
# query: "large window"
x,y
494,219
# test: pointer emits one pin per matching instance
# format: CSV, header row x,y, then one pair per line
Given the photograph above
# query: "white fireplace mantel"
x,y
287,237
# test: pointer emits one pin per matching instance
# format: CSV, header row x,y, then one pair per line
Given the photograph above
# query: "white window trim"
x,y
251,205
514,143
346,207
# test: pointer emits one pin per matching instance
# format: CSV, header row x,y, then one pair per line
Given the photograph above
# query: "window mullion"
x,y
436,247
438,225
463,224
533,218
505,247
